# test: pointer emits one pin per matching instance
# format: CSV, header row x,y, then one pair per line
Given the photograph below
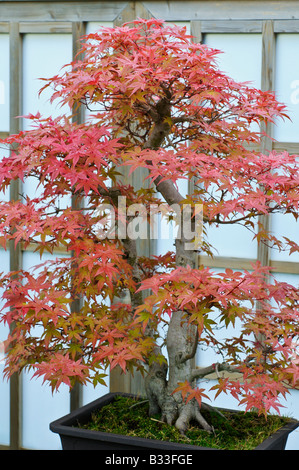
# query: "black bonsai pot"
x,y
75,438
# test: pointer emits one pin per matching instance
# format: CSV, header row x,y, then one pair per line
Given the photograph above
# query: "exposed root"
x,y
206,407
188,412
200,419
180,415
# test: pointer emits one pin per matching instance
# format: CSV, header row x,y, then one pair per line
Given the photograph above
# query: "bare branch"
x,y
201,372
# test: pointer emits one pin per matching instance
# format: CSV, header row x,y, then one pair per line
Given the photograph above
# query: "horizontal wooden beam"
x,y
286,267
231,26
52,25
290,147
286,26
32,248
248,26
60,11
46,27
4,134
173,10
4,27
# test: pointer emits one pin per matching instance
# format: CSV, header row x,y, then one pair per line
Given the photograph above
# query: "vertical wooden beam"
x,y
15,93
196,32
120,382
267,83
78,30
126,15
268,55
142,12
195,29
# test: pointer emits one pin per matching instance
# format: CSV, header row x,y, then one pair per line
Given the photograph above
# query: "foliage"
x,y
157,102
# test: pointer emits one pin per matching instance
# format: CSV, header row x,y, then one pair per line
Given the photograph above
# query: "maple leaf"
x,y
189,393
59,369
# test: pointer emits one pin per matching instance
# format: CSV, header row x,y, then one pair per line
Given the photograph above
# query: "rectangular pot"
x,y
74,438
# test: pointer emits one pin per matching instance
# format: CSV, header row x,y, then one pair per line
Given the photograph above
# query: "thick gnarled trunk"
x,y
182,337
160,386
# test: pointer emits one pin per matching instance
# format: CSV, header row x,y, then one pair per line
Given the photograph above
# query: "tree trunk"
x,y
162,381
181,348
182,337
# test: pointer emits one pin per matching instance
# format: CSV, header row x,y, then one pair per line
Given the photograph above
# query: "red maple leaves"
x,y
135,80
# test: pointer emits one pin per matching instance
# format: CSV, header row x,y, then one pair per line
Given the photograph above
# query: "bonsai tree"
x,y
156,104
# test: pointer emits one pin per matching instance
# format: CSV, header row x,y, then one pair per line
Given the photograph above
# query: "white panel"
x,y
94,26
91,393
291,402
292,409
39,406
4,83
284,225
4,384
233,241
43,57
292,279
164,233
242,55
241,60
287,85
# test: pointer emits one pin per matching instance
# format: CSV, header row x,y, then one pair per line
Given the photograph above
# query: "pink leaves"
x,y
67,345
257,391
64,156
59,369
186,288
189,392
261,342
236,184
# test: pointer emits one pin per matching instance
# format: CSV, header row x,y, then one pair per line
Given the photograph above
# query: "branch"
x,y
166,187
201,372
182,119
113,193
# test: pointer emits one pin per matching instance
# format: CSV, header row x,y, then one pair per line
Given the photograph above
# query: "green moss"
x,y
237,431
